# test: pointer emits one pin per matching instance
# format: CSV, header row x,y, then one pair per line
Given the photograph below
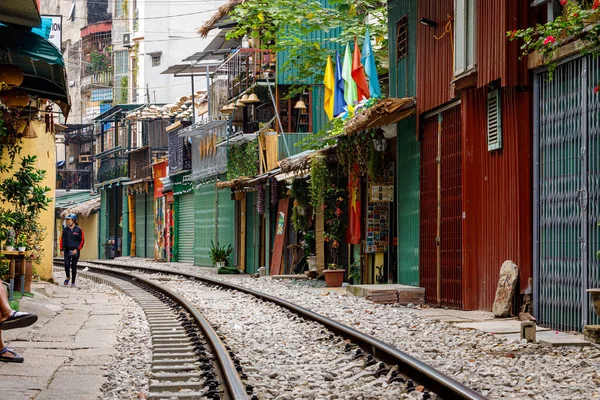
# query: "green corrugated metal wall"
x,y
102,235
226,232
407,186
286,77
204,218
252,234
403,84
403,73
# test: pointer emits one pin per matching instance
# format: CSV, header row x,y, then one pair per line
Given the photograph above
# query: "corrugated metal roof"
x,y
66,199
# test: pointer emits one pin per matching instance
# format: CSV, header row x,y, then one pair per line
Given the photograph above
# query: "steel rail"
x,y
434,380
234,387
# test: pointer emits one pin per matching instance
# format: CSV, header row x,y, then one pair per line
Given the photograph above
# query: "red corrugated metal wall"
x,y
497,57
434,57
428,231
451,211
451,238
497,195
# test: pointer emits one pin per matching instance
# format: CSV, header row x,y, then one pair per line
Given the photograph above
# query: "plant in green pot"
x,y
219,255
21,242
309,247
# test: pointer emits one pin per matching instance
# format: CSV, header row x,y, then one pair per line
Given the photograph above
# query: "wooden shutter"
x,y
460,37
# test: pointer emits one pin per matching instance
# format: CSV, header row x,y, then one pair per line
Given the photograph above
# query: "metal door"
x,y
252,234
150,234
566,194
185,221
440,253
204,218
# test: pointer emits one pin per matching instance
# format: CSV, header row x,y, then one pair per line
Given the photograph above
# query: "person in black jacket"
x,y
71,242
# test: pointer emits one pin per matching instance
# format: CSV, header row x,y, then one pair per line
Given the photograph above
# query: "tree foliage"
x,y
288,24
578,24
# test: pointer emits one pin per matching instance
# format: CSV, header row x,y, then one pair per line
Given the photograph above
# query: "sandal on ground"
x,y
73,285
15,359
66,282
18,319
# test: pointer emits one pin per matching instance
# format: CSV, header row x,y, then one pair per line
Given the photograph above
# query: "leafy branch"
x,y
578,24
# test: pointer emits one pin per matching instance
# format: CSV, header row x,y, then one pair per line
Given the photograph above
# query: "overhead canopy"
x,y
223,11
20,12
114,110
384,112
41,62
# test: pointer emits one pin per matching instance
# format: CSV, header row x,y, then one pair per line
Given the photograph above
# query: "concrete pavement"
x,y
66,349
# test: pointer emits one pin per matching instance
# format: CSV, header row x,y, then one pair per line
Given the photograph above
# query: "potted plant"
x,y
219,255
21,242
9,243
309,246
334,275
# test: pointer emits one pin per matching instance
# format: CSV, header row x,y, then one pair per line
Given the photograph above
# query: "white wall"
x,y
177,39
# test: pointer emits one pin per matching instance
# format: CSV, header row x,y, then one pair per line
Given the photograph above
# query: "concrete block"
x,y
528,331
591,333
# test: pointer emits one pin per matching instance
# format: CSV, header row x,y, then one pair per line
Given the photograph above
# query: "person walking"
x,y
71,243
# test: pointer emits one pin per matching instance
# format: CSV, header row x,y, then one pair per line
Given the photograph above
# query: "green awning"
x,y
41,62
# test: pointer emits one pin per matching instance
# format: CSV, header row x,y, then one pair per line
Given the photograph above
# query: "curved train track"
x,y
408,370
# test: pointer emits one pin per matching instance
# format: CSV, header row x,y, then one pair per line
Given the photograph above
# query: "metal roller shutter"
x,y
205,223
140,225
185,223
150,236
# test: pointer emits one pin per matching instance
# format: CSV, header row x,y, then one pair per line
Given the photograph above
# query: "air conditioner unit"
x,y
85,158
127,40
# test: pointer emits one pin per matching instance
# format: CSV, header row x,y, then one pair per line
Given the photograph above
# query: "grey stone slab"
x,y
75,381
12,384
108,310
65,394
103,321
90,338
36,364
500,326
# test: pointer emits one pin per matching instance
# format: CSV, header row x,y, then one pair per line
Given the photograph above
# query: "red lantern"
x,y
335,244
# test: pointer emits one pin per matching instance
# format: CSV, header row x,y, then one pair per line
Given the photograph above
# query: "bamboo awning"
x,y
385,112
83,209
234,183
221,12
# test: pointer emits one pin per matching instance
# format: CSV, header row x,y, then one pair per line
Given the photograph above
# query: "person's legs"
x,y
5,309
74,260
67,267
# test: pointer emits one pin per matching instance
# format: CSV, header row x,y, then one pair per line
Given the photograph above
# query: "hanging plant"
x,y
301,191
319,180
260,201
242,160
274,191
376,163
10,139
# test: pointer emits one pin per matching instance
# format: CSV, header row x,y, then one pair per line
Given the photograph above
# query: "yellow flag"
x,y
329,82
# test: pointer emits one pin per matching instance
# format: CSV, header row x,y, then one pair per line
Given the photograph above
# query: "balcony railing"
x,y
112,168
244,68
96,79
74,179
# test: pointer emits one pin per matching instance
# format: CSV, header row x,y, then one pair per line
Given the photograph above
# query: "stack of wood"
x,y
385,112
382,296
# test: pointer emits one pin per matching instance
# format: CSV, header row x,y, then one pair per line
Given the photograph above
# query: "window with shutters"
x,y
402,38
464,36
494,120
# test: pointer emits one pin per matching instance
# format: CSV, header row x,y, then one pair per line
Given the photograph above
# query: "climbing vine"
x,y
242,160
578,24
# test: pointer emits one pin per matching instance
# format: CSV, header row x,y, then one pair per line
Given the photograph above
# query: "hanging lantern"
x,y
300,105
29,132
253,98
11,75
244,99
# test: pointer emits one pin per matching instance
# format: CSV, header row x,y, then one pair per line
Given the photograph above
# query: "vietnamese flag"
x,y
358,74
353,232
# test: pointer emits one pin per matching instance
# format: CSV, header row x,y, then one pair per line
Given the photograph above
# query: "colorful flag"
x,y
338,92
368,60
349,85
354,207
329,82
358,74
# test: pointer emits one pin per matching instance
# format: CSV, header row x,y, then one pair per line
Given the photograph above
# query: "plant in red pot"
x,y
334,275
336,223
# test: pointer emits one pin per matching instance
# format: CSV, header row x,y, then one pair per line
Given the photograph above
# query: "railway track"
x,y
189,360
381,359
